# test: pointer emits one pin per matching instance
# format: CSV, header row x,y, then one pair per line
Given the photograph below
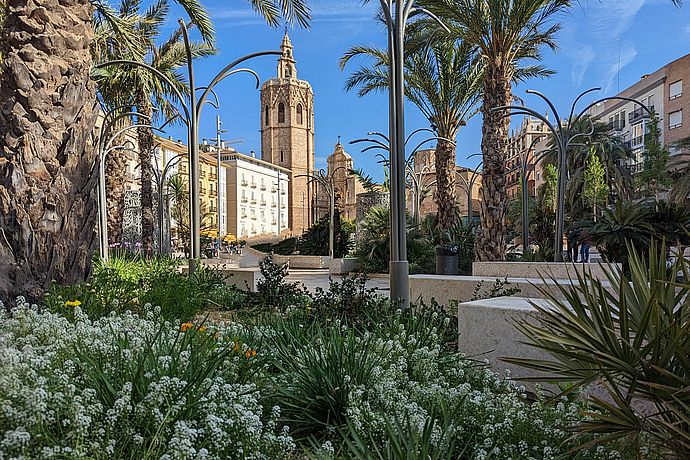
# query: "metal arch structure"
x,y
412,177
564,135
160,177
191,108
396,14
327,181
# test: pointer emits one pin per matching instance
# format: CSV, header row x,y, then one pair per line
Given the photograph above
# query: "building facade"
x,y
660,91
257,194
346,185
468,186
527,142
287,135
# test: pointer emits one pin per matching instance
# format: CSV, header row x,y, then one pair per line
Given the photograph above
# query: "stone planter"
x,y
303,262
555,270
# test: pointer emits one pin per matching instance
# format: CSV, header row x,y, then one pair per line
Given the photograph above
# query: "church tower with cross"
x,y
287,135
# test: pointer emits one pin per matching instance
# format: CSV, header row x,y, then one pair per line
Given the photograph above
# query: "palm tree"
x,y
443,80
47,156
506,33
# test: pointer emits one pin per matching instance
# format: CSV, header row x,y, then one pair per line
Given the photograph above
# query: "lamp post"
x,y
327,181
564,135
160,177
191,108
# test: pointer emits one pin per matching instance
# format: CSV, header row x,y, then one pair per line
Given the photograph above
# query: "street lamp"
x,y
192,107
160,177
327,181
395,15
564,136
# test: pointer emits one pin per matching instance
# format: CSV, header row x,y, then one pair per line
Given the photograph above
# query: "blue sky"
x,y
649,34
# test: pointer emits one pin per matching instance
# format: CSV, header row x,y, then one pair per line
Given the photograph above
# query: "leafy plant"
x,y
632,341
274,293
498,289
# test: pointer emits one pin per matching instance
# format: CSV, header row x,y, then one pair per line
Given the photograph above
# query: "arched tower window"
x,y
281,113
300,118
288,72
266,116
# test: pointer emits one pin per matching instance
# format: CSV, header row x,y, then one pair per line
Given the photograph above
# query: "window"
x,y
267,118
300,118
282,158
675,89
675,119
281,113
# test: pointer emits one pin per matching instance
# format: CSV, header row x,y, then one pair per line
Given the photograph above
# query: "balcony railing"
x,y
273,190
615,126
263,203
273,205
636,168
263,187
244,200
253,201
253,185
283,192
244,183
275,222
639,114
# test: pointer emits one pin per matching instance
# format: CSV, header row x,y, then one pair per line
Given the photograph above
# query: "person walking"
x,y
585,243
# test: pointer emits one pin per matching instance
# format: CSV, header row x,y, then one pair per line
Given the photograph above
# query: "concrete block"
x,y
486,330
342,266
555,270
303,262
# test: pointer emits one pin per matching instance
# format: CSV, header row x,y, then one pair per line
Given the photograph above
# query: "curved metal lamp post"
x,y
327,181
412,177
191,108
564,136
160,177
395,15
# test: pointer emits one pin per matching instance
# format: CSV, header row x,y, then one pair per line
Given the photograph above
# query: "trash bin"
x,y
447,260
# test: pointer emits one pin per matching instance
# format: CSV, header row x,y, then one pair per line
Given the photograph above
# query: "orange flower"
x,y
248,354
186,326
202,329
253,352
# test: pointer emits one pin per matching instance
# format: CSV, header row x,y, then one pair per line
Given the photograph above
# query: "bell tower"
x,y
287,134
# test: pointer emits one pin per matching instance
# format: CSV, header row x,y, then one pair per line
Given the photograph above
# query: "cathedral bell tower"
x,y
287,134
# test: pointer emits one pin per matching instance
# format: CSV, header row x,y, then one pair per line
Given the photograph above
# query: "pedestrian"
x,y
573,236
585,243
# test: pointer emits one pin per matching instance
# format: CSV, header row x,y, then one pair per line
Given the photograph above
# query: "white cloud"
x,y
628,54
581,62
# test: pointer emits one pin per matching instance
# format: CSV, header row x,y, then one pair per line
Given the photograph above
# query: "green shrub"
x,y
632,341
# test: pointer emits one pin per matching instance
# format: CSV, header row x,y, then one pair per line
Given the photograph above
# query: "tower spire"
x,y
286,63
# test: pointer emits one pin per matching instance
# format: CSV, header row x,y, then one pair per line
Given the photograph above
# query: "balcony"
x,y
273,205
636,168
244,183
273,190
263,187
283,206
244,199
253,201
253,185
244,216
615,126
253,217
275,222
263,203
639,115
283,192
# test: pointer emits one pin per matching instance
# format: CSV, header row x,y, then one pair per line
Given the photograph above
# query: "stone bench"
x,y
445,289
486,330
342,266
239,277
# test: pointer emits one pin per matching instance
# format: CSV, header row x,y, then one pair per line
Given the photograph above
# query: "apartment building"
x,y
660,91
257,194
526,143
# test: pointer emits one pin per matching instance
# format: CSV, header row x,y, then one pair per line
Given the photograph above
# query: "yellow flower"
x,y
72,303
202,329
186,326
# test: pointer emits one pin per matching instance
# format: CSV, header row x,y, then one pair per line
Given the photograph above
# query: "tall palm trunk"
x,y
491,237
146,139
115,178
445,196
47,159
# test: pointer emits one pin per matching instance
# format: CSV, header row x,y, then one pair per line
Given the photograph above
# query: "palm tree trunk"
x,y
445,196
116,171
47,157
146,139
491,236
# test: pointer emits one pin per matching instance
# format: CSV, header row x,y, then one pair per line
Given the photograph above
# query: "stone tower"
x,y
287,134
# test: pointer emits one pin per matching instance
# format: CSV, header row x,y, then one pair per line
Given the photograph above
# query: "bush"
x,y
130,283
633,342
128,387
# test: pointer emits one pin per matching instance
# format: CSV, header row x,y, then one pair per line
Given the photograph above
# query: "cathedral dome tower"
x,y
287,133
